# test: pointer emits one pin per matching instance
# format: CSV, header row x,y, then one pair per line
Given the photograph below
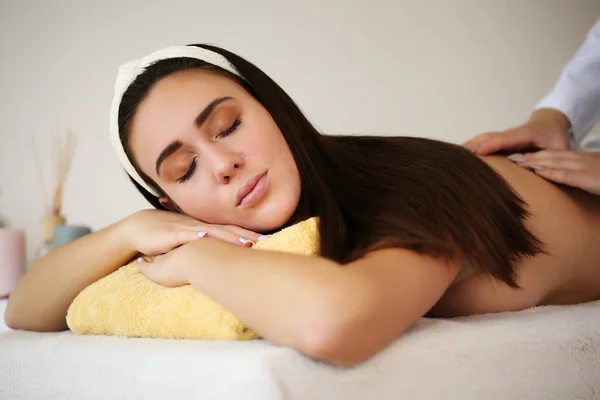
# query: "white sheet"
x,y
544,353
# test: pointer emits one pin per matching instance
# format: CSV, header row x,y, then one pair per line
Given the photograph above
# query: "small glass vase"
x,y
47,224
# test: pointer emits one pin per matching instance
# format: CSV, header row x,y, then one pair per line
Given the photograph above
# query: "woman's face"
x,y
206,142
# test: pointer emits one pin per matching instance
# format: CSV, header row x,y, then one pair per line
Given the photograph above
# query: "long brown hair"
x,y
374,192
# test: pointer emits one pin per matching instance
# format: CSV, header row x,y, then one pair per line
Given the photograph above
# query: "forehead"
x,y
197,84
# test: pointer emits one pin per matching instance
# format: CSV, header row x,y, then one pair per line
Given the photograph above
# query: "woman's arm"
x,y
402,287
339,314
41,298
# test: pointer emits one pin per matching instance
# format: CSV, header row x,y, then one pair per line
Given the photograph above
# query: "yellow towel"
x,y
126,303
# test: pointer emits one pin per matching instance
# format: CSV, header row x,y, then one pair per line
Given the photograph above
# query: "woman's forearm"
x,y
41,298
291,300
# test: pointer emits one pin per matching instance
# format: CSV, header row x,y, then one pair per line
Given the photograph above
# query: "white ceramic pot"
x,y
12,258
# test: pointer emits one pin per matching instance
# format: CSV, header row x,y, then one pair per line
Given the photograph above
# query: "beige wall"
x,y
446,69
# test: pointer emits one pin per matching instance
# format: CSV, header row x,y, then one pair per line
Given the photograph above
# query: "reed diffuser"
x,y
62,151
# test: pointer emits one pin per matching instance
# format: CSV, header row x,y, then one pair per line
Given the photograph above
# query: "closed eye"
x,y
190,171
231,129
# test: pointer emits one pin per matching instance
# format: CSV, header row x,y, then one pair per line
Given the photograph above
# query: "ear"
x,y
168,204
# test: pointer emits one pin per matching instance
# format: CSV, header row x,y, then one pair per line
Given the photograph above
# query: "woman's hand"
x,y
572,168
167,270
154,232
173,269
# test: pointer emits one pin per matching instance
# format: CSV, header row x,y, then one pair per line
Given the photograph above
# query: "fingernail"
x,y
518,158
201,234
263,237
537,167
245,241
140,260
475,148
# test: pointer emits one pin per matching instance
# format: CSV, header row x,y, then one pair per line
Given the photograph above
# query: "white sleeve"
x,y
577,92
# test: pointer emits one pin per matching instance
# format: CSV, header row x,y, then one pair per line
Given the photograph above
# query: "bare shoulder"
x,y
533,188
522,180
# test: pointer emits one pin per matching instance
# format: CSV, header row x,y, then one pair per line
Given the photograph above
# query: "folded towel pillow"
x,y
126,303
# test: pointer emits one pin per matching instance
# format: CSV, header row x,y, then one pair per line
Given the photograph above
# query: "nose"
x,y
225,164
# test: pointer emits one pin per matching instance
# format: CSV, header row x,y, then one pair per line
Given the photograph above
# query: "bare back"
x,y
567,221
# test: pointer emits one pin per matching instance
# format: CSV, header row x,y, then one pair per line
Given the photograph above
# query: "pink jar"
x,y
12,259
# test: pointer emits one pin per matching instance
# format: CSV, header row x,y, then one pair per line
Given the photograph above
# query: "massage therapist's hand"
x,y
546,129
572,168
153,232
174,268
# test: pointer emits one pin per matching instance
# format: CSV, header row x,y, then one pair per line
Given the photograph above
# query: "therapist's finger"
x,y
575,178
549,154
571,164
512,140
473,143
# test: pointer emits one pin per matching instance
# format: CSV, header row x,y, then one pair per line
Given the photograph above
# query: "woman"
x,y
409,227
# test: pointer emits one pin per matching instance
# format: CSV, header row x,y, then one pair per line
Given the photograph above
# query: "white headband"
x,y
130,71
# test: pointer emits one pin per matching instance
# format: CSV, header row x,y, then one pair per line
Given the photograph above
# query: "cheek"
x,y
198,203
268,141
281,151
288,171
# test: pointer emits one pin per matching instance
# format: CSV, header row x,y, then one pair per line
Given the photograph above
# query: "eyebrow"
x,y
198,121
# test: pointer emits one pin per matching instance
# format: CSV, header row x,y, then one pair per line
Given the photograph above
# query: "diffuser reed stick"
x,y
61,156
64,157
38,165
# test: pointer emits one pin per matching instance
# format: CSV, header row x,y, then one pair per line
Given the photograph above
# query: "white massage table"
x,y
544,353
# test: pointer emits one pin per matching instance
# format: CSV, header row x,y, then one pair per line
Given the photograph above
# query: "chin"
x,y
274,214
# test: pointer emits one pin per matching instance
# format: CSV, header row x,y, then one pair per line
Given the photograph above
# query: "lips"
x,y
248,187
